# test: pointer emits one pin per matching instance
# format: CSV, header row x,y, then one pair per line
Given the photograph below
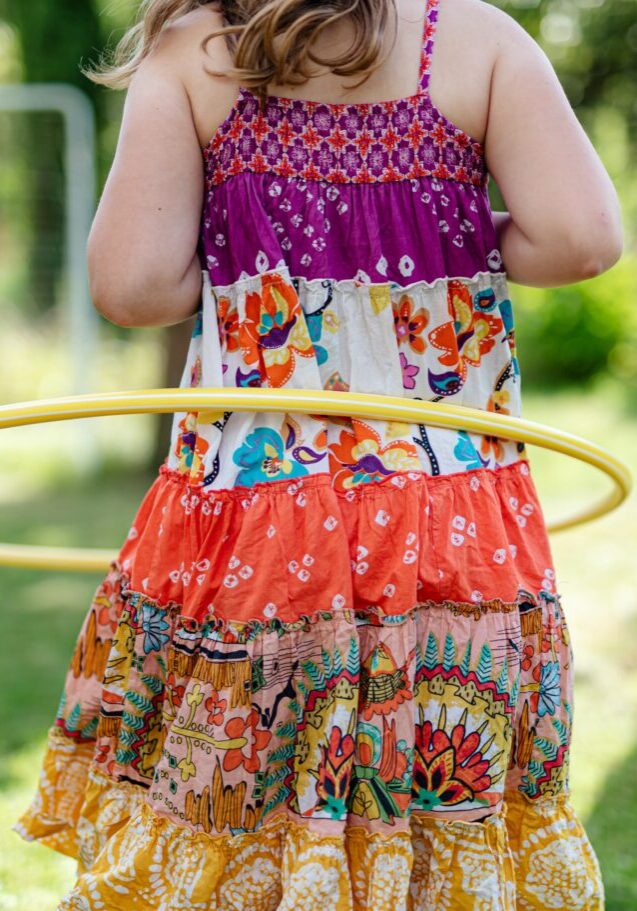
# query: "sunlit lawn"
x,y
598,579
596,572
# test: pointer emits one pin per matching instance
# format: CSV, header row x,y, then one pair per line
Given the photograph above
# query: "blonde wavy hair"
x,y
270,41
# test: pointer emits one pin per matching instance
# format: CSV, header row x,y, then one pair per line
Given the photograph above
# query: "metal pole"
x,y
80,189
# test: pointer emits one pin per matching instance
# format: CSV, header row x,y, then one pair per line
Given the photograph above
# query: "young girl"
x,y
330,669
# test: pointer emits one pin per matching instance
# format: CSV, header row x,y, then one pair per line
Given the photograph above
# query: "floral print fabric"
x,y
453,339
272,761
330,668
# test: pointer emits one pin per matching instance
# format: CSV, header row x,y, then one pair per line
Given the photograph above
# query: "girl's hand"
x,y
144,268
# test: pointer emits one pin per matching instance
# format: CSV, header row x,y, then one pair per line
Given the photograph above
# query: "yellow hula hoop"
x,y
211,402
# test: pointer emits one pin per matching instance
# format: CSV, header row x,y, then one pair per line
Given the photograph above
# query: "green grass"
x,y
596,576
43,612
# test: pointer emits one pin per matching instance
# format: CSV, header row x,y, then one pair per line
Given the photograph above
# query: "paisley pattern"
x,y
329,668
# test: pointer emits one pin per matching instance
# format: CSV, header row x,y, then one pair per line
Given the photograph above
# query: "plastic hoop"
x,y
213,401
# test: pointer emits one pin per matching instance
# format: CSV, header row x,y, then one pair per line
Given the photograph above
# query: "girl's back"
x,y
340,675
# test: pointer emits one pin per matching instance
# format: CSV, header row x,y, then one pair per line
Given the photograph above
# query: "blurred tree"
x,y
572,334
593,46
54,38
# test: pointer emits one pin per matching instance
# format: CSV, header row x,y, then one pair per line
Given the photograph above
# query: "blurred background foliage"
x,y
571,335
577,347
578,333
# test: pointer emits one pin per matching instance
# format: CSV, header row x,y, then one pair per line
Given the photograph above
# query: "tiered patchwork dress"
x,y
329,669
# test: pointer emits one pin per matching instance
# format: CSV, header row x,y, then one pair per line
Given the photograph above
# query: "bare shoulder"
x,y
489,31
183,51
194,25
499,30
180,40
469,37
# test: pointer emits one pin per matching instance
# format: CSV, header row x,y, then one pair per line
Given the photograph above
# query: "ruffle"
x,y
557,865
53,814
341,717
531,856
162,811
189,730
321,717
284,866
76,808
289,549
421,339
336,713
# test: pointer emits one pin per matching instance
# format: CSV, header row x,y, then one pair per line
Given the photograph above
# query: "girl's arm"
x,y
563,219
142,249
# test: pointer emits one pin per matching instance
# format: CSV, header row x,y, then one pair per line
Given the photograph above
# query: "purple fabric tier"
x,y
403,232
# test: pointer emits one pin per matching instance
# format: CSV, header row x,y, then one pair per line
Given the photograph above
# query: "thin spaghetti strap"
x,y
429,35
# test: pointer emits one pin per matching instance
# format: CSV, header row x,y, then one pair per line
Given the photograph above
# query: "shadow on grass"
x,y
612,827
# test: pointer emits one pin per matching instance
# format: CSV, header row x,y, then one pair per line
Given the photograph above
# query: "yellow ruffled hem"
x,y
556,867
53,814
284,866
532,856
76,809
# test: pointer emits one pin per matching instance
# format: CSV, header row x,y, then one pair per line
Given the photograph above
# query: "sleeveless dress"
x,y
329,669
